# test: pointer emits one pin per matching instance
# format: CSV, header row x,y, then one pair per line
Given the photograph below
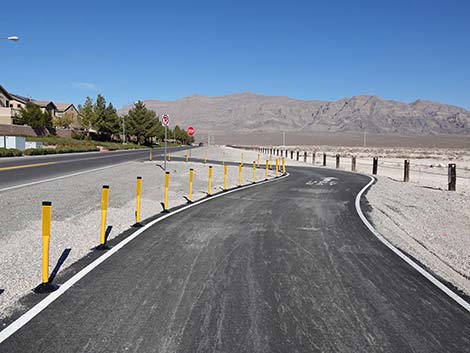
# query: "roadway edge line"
x,y
405,258
43,304
8,188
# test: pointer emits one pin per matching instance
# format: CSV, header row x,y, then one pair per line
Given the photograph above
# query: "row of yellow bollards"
x,y
46,286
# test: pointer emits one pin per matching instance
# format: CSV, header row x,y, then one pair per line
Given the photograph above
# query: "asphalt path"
x,y
287,266
25,170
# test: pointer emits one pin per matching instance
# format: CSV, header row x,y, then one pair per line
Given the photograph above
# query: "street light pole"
x,y
123,131
12,38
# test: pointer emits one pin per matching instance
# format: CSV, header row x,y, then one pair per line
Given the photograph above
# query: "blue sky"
x,y
129,50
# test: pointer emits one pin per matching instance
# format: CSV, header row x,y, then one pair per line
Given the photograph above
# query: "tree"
x,y
142,123
86,115
33,116
99,117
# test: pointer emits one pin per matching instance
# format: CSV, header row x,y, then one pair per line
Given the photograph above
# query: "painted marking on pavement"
x,y
405,258
27,166
35,310
324,181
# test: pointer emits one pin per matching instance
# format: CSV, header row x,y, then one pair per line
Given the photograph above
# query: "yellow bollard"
x,y
150,155
167,187
209,182
104,211
259,159
254,172
138,192
283,166
169,157
190,194
270,161
46,286
277,167
240,172
225,177
187,157
267,167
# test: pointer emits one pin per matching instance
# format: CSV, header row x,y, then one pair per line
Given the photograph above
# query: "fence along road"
x,y
20,171
283,267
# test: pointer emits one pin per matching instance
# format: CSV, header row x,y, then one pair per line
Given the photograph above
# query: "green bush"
x,y
39,151
78,136
12,152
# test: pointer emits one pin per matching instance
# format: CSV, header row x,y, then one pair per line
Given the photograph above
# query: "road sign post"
x,y
165,122
191,134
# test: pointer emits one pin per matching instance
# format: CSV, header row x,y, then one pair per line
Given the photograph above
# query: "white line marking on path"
x,y
43,304
405,258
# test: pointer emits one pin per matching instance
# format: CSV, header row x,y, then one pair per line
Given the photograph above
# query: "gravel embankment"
x,y
431,225
77,214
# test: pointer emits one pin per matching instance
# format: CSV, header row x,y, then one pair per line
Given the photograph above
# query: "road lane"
x,y
33,169
284,267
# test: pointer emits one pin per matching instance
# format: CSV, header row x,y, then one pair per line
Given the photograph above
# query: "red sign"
x,y
165,120
190,131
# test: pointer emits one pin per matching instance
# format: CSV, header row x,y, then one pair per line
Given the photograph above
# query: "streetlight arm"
x,y
12,38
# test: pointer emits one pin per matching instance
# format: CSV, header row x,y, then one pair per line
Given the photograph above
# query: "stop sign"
x,y
190,131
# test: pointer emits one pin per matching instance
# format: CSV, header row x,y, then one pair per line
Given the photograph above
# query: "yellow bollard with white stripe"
x,y
283,166
267,167
209,182
46,286
254,172
104,211
225,177
167,188
240,173
138,196
190,193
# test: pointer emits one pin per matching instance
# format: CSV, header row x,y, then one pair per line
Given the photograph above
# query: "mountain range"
x,y
249,112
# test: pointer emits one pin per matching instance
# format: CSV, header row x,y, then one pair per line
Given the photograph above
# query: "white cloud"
x,y
85,85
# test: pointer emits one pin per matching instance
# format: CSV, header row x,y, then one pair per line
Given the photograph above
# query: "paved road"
x,y
25,170
284,267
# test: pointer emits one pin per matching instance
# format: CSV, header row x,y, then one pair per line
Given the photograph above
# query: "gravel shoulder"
x,y
76,215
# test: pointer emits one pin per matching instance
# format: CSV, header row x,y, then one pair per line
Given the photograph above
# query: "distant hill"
x,y
248,112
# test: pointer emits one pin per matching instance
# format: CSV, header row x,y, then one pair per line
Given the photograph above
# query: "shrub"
x,y
39,151
12,152
78,136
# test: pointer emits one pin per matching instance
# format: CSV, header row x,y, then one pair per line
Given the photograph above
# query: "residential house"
x,y
5,110
68,109
11,105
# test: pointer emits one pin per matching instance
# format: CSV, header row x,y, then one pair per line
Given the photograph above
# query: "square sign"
x,y
165,120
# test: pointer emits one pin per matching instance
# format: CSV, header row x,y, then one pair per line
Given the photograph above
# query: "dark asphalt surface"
x,y
283,267
67,164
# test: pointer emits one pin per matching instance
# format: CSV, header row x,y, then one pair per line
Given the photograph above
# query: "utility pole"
x,y
123,130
